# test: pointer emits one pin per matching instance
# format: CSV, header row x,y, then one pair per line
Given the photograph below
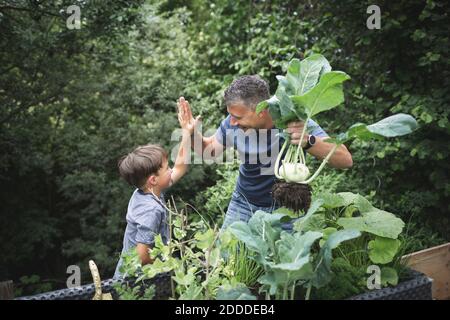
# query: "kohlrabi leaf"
x,y
273,280
323,273
393,126
303,75
238,292
383,250
292,247
377,222
294,255
326,95
283,82
326,234
273,101
348,198
242,232
286,106
389,276
331,200
314,223
300,224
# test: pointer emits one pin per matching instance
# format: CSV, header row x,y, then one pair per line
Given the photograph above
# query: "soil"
x,y
294,196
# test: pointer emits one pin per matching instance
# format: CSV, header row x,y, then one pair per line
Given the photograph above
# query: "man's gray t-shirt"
x,y
146,218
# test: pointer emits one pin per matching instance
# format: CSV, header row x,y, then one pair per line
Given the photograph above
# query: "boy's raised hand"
x,y
185,117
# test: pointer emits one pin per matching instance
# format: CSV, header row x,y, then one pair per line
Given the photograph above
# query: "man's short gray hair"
x,y
249,90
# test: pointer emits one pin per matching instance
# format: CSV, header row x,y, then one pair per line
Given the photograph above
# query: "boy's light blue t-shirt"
x,y
258,151
146,218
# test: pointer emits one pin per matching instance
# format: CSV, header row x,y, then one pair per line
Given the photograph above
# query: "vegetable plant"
x,y
309,88
288,259
195,260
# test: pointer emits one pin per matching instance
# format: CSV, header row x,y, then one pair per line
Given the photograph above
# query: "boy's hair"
x,y
141,163
247,89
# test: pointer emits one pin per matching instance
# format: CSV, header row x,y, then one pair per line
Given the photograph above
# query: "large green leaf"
x,y
242,232
331,200
303,221
348,198
237,292
303,75
273,280
378,222
293,247
393,126
273,101
326,95
286,106
389,276
314,223
323,273
383,250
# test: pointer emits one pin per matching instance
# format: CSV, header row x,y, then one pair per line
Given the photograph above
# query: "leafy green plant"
x,y
239,260
380,230
308,89
237,292
136,292
287,258
214,200
31,285
192,257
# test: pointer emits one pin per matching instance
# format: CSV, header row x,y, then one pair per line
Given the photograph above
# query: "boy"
x,y
147,169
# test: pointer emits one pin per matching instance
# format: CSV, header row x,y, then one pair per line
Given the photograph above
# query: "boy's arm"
x,y
143,251
183,157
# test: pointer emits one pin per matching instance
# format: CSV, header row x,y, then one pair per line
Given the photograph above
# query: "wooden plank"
x,y
435,263
6,290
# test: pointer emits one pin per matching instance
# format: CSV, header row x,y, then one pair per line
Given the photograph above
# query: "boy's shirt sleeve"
x,y
148,225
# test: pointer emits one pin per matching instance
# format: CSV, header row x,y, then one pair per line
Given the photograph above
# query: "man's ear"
x,y
263,113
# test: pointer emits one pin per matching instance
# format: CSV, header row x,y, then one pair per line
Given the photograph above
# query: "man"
x,y
254,184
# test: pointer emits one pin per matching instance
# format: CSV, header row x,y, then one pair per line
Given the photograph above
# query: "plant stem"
x,y
172,286
285,291
302,156
322,165
277,162
293,291
308,292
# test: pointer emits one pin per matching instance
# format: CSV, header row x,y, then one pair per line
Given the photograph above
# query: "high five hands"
x,y
185,118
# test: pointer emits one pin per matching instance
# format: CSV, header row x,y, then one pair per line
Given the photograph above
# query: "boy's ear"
x,y
151,181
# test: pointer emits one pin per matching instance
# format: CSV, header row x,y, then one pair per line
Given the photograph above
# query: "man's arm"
x,y
341,159
205,147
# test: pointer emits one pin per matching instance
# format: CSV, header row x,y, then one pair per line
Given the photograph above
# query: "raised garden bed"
x,y
435,263
418,287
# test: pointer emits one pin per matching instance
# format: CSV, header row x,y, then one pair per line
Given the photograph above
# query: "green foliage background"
x,y
73,101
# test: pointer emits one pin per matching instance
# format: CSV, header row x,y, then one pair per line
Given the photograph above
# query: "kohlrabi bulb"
x,y
294,172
